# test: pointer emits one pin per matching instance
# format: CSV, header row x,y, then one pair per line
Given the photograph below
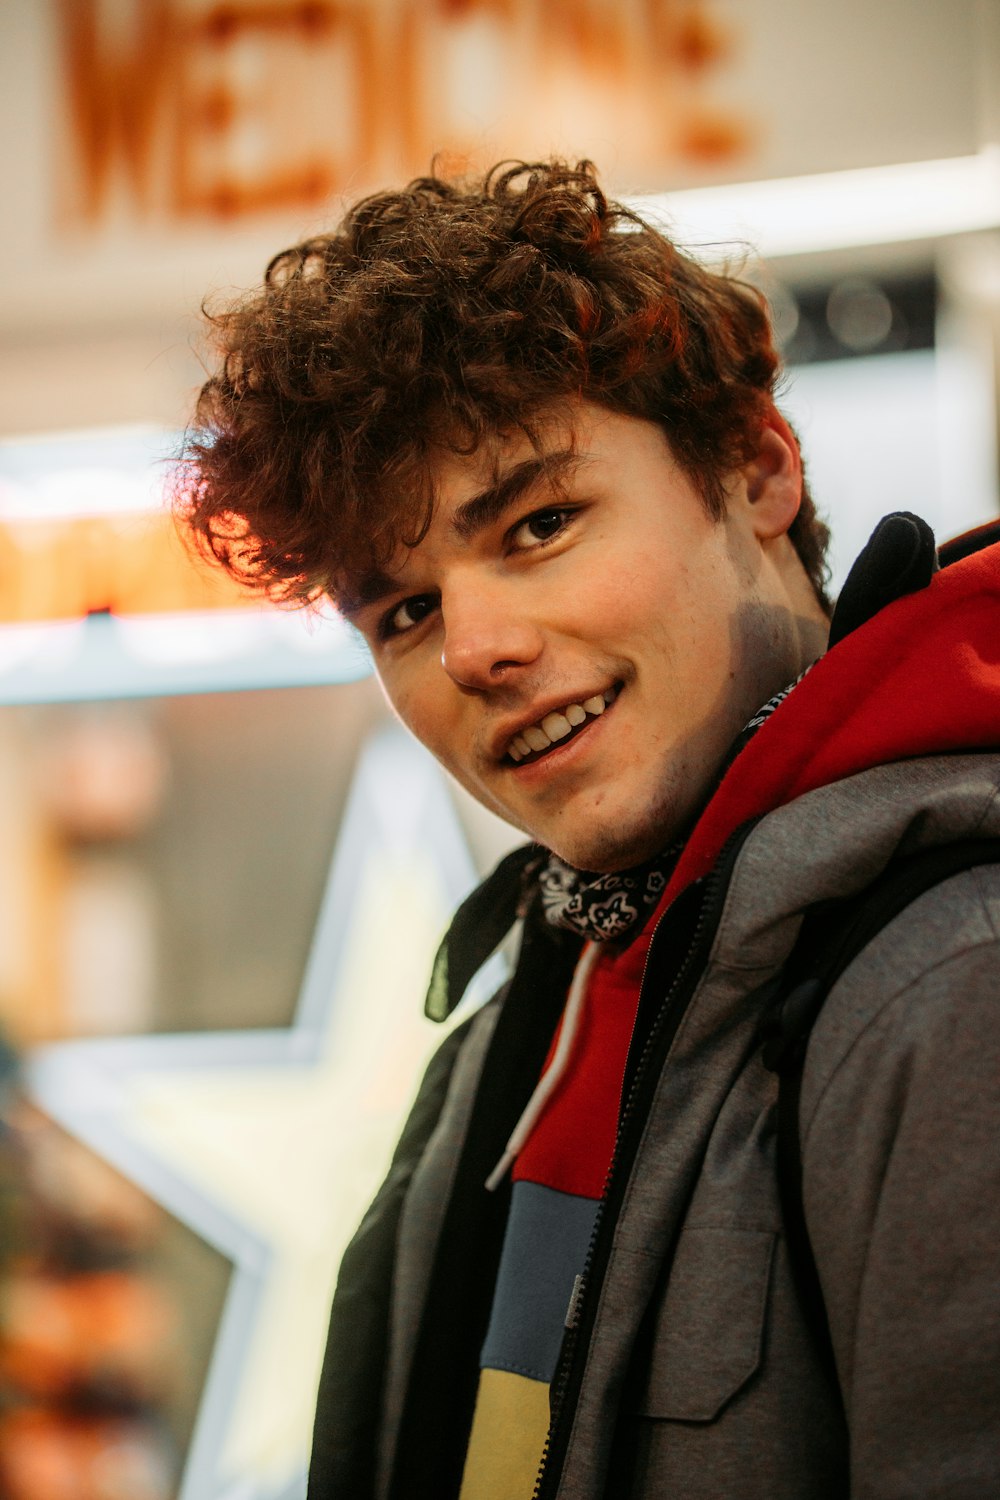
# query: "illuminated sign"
x,y
100,597
85,528
226,110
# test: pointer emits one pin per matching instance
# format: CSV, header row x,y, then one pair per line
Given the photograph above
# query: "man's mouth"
x,y
562,724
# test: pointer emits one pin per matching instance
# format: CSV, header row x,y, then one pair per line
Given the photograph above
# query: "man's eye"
x,y
540,526
406,615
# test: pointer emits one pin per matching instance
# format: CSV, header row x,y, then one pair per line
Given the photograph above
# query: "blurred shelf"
x,y
105,656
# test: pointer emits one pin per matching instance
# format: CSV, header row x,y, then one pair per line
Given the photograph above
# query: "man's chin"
x,y
604,843
606,852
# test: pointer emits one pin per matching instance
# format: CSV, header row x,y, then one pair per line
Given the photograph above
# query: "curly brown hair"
x,y
450,313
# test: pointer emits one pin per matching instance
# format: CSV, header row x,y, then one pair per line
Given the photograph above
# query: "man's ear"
x,y
773,478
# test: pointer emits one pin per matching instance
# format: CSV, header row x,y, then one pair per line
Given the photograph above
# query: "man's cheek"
x,y
424,719
400,696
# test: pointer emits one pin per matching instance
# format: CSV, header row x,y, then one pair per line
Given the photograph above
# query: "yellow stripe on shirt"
x,y
508,1437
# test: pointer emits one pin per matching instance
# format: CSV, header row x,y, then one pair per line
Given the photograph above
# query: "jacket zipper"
x,y
659,1036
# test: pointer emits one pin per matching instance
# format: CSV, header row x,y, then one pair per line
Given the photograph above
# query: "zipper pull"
x,y
575,1298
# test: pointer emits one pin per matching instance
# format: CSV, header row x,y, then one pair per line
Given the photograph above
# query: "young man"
x,y
532,451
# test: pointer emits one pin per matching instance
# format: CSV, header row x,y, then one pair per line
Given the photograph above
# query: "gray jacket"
x,y
696,1377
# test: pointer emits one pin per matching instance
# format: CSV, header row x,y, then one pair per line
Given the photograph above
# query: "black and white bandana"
x,y
606,908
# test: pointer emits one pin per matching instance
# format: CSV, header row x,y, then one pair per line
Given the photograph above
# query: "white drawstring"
x,y
555,1070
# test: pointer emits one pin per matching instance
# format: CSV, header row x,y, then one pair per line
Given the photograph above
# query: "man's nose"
x,y
486,636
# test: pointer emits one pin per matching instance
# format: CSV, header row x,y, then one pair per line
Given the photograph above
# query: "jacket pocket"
x,y
709,1329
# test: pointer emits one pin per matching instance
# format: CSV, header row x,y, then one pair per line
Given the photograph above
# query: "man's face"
x,y
580,656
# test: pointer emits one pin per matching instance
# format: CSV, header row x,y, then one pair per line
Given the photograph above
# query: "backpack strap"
x,y
832,935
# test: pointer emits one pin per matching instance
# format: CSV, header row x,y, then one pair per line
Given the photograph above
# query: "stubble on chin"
x,y
615,846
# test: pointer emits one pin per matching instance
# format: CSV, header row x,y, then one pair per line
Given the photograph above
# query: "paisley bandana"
x,y
604,907
607,908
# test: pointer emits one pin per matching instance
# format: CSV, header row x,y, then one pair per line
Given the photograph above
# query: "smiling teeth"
x,y
557,725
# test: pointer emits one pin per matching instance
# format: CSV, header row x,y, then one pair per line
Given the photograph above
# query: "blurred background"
x,y
205,812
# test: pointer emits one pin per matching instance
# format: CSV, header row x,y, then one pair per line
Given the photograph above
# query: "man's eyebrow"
x,y
368,590
471,517
475,514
